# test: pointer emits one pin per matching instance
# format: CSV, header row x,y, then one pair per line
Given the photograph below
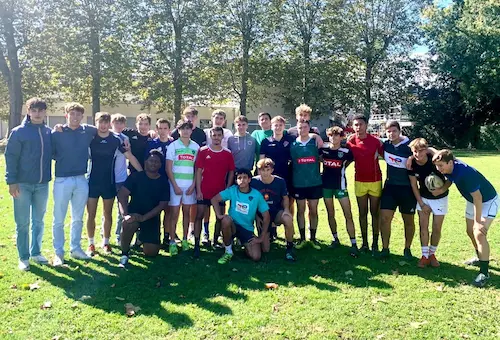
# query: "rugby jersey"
x,y
183,158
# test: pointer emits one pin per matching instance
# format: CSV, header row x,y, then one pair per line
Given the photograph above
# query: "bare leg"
x,y
375,212
385,227
108,216
409,222
345,203
91,212
363,217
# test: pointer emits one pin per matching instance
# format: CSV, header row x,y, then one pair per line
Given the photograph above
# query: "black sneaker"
x,y
472,262
384,254
354,252
335,244
365,249
408,255
196,252
481,280
166,243
375,250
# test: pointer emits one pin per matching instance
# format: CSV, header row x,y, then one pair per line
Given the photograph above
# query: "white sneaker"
x,y
58,261
79,255
40,259
24,265
123,261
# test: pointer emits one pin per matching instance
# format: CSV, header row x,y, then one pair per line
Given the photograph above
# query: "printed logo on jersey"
x,y
187,157
341,154
208,157
306,160
285,144
242,208
134,137
104,142
332,163
395,161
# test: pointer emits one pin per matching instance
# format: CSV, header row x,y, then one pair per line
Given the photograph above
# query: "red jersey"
x,y
366,152
215,165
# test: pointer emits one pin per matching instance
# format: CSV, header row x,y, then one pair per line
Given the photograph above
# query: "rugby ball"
x,y
433,182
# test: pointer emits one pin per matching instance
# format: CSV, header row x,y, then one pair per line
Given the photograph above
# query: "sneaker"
x,y
24,265
354,252
225,258
472,262
40,259
123,261
335,244
375,250
365,249
165,244
423,262
196,252
191,235
185,245
481,280
91,250
407,254
79,255
177,239
289,256
384,254
58,260
107,249
172,249
218,245
205,240
433,260
315,244
301,244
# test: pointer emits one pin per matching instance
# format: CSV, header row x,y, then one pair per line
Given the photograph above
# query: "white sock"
x,y
106,241
191,225
229,249
91,241
425,251
353,241
432,250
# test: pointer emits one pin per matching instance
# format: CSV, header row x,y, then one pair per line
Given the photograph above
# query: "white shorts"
x,y
175,200
490,209
439,206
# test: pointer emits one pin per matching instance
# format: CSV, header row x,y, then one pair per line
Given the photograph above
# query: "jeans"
x,y
32,201
73,189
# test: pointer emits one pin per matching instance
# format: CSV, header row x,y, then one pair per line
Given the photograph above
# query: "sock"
x,y
205,228
425,251
289,246
375,242
91,241
483,267
191,226
106,241
196,241
432,250
335,236
313,234
302,234
229,249
353,241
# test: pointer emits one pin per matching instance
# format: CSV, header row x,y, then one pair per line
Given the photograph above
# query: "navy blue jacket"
x,y
28,155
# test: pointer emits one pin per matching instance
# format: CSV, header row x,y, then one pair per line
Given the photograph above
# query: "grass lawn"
x,y
324,295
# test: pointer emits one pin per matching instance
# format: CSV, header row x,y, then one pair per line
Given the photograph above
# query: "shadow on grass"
x,y
155,284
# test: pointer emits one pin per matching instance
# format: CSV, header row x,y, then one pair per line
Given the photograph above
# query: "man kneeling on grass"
x,y
244,204
149,193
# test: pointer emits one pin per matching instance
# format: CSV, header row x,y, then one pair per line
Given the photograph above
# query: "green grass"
x,y
186,299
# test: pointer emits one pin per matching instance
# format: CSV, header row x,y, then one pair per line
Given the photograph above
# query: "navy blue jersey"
x,y
279,152
273,192
103,152
468,180
138,145
395,156
334,164
158,145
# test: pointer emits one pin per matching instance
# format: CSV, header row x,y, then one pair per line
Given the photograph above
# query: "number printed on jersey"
x,y
242,208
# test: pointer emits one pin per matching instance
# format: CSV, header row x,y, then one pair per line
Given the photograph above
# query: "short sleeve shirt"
x,y
227,134
158,145
216,165
335,163
279,152
273,192
468,180
244,206
146,193
366,152
183,158
103,153
396,156
420,172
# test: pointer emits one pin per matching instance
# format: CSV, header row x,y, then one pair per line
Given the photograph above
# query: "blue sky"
x,y
422,49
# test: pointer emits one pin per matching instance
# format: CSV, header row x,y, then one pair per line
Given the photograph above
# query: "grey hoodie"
x,y
243,150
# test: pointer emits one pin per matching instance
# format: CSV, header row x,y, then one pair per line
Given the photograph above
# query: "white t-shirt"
x,y
120,162
227,134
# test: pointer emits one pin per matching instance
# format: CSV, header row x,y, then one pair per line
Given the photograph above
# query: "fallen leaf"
x,y
403,263
74,305
130,309
324,261
234,270
46,305
65,265
34,286
119,298
13,287
440,288
395,272
230,323
158,284
25,286
56,337
417,324
378,299
349,273
271,285
113,285
380,336
85,297
276,308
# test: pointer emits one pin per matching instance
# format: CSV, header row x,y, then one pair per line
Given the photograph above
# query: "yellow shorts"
x,y
368,188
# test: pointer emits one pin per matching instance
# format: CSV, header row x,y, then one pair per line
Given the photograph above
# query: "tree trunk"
x,y
178,81
368,90
244,77
95,69
15,98
306,54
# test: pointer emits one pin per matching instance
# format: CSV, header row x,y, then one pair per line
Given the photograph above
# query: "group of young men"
x,y
190,170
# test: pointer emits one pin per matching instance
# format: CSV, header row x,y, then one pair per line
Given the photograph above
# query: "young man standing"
x,y
149,195
427,203
214,173
273,189
218,120
242,145
264,120
181,157
335,161
481,208
139,138
368,179
28,157
104,150
198,136
245,202
302,113
71,152
397,190
307,185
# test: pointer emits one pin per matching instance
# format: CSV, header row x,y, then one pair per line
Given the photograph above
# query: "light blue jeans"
x,y
73,189
32,201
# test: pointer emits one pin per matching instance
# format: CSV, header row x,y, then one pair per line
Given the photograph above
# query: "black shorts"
x,y
310,193
244,235
208,203
149,231
394,196
99,190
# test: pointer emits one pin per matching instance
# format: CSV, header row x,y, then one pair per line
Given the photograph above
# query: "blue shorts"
x,y
244,235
